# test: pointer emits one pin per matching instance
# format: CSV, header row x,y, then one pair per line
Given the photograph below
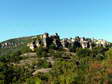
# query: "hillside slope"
x,y
12,43
52,65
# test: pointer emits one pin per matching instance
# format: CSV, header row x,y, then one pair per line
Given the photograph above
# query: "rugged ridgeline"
x,y
17,42
45,40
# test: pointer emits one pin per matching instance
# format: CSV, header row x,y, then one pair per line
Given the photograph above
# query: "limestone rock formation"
x,y
45,40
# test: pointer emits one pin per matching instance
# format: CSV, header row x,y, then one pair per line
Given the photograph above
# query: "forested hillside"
x,y
53,65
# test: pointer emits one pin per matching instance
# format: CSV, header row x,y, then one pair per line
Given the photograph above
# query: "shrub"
x,y
98,50
63,72
25,49
42,63
99,53
6,73
83,52
100,57
72,48
52,46
34,80
59,54
41,52
11,57
109,53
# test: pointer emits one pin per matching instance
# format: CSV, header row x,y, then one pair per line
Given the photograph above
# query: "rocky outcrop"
x,y
17,42
45,40
9,44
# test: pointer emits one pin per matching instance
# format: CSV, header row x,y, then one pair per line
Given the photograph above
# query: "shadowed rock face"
x,y
47,40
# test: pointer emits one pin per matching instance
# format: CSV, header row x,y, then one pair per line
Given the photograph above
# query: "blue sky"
x,y
69,18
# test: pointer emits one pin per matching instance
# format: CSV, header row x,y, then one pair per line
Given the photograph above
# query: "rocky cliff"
x,y
45,40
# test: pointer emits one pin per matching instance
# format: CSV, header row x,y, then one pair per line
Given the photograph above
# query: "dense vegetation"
x,y
77,66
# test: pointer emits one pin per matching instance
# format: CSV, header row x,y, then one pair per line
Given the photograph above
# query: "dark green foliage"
x,y
42,63
43,76
64,72
21,74
7,73
100,57
58,54
99,53
72,48
83,52
24,49
13,57
99,50
33,80
41,52
52,46
109,53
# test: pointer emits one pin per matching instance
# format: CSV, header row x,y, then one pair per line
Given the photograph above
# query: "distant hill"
x,y
15,44
12,43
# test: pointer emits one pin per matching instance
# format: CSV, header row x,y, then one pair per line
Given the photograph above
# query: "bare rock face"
x,y
17,42
45,40
85,43
9,45
31,46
